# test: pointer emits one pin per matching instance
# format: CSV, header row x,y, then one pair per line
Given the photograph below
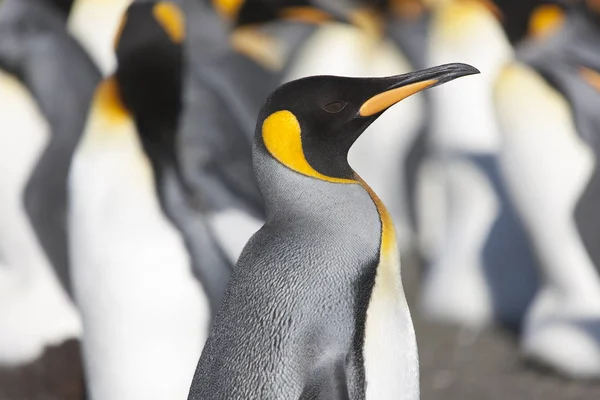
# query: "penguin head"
x,y
309,125
150,61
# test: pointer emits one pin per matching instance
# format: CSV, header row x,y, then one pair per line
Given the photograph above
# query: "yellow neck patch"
x,y
228,9
170,17
281,135
109,103
388,232
545,19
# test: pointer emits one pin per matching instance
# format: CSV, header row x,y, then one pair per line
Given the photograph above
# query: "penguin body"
x,y
143,311
315,307
69,70
35,310
469,280
95,23
547,96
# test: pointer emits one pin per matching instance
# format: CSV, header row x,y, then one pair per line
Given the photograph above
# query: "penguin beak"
x,y
397,88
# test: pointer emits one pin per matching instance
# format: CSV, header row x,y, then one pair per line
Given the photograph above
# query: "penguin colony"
x,y
187,190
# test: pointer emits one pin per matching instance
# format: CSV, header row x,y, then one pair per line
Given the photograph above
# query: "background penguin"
x,y
143,312
67,69
480,266
228,87
317,284
407,25
547,106
39,61
94,23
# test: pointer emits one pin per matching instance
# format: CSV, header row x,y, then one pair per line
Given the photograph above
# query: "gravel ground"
x,y
455,364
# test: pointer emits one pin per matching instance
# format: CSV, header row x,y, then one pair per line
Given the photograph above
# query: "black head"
x,y
150,60
310,124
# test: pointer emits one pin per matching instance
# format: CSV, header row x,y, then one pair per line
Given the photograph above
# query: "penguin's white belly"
x,y
547,166
34,309
455,288
233,228
95,23
144,315
390,348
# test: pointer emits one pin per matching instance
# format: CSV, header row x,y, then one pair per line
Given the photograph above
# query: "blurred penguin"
x,y
481,268
226,87
407,25
144,314
46,83
547,104
94,23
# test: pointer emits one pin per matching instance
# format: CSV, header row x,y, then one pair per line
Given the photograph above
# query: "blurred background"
x,y
127,190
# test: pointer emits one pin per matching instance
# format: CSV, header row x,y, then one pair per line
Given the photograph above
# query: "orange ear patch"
x,y
545,19
170,17
281,135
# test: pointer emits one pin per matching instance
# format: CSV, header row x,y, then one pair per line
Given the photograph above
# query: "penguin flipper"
x,y
209,262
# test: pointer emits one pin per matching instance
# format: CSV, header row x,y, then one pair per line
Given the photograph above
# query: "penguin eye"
x,y
334,107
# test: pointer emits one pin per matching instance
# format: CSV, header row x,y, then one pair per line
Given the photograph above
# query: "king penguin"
x,y
39,64
481,268
547,105
94,23
315,307
227,87
144,315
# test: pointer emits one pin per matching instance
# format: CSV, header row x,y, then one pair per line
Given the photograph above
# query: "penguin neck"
x,y
290,196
